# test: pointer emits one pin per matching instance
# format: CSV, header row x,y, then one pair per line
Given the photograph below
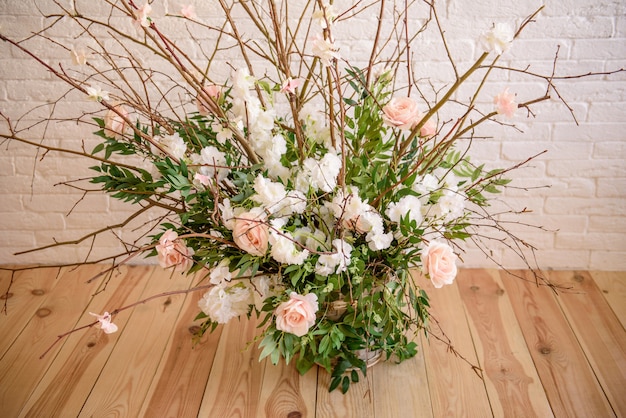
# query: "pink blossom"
x,y
505,103
188,12
105,322
115,125
212,91
141,16
172,251
290,85
202,179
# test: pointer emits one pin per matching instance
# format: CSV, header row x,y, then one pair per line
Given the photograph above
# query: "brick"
x,y
556,150
30,221
608,131
585,206
545,187
604,150
599,223
582,26
612,187
608,260
590,168
592,241
607,112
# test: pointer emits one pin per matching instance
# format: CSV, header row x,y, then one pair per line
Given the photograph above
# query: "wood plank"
x,y
68,382
21,368
613,286
179,383
401,390
567,378
124,382
511,379
28,291
599,332
285,393
357,402
456,390
234,385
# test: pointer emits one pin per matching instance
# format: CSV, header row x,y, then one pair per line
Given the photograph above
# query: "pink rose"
x,y
438,261
297,315
401,112
115,126
505,103
172,251
251,234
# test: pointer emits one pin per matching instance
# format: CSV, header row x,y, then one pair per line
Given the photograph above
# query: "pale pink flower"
x,y
498,39
105,322
438,262
401,112
251,234
297,315
142,17
78,57
505,103
290,85
188,12
115,126
96,94
325,50
172,251
213,91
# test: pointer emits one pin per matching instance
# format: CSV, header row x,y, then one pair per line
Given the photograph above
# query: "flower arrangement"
x,y
303,188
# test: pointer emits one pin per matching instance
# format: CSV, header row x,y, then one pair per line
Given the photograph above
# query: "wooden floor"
x,y
541,354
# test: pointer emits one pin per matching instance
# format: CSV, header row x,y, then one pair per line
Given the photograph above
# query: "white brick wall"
x,y
584,209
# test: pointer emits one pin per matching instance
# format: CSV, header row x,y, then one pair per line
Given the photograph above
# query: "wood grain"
x,y
285,393
179,383
125,379
567,378
234,385
22,368
395,395
357,402
542,355
599,332
613,287
455,389
511,380
69,380
29,290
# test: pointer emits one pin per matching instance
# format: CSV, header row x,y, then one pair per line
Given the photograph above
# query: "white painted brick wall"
x,y
584,210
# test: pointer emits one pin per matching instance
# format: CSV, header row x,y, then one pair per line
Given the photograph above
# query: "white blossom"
x,y
222,303
96,94
269,194
325,15
335,262
498,39
318,175
214,163
173,145
284,250
325,50
221,272
410,205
